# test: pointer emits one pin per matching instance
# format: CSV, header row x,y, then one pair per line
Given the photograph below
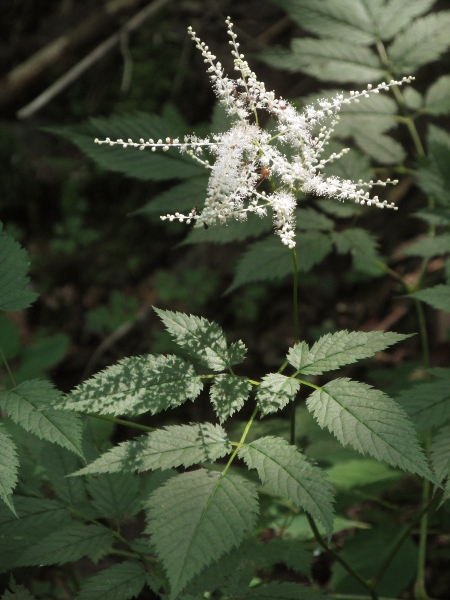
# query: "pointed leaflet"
x,y
428,404
30,405
287,473
370,422
334,350
362,246
120,582
437,296
166,448
115,495
275,392
440,453
137,385
9,465
228,395
59,463
437,98
202,339
13,275
197,517
69,544
19,592
430,246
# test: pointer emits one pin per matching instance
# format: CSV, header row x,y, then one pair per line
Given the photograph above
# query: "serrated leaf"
x,y
308,219
287,473
59,463
14,265
430,246
437,98
396,14
437,296
145,165
197,517
428,404
282,591
136,385
363,248
69,544
275,392
440,453
19,592
181,197
370,422
228,395
30,405
115,495
167,448
421,42
433,174
233,231
354,166
413,99
334,350
379,146
9,465
375,114
343,20
120,582
203,339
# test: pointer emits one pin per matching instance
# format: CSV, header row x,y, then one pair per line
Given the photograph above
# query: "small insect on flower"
x,y
246,155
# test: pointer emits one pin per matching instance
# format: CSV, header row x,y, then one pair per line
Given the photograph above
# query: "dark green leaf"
x,y
9,465
14,265
115,495
428,404
120,582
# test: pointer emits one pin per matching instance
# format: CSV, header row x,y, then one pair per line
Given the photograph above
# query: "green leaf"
x,y
69,544
202,339
430,246
362,246
197,517
437,98
370,422
438,297
440,453
9,465
166,448
233,231
275,392
433,174
115,495
120,582
14,265
361,472
228,395
413,99
375,114
423,41
30,405
136,385
381,147
396,14
18,592
181,197
293,553
309,219
334,350
428,404
59,463
144,165
287,473
282,591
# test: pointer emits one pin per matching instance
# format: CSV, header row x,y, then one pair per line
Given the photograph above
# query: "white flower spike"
x,y
246,154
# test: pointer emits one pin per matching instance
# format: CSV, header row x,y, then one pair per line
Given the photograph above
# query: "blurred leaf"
x,y
356,473
14,264
179,198
433,174
120,582
233,231
430,246
437,98
381,147
9,465
438,297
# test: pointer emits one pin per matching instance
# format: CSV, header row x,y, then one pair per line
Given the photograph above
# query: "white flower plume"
x,y
246,155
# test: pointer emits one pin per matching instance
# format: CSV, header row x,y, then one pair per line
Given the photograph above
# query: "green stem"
x,y
420,592
423,333
121,422
7,367
241,441
340,560
296,329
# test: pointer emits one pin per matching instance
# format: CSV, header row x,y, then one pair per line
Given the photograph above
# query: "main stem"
x,y
296,337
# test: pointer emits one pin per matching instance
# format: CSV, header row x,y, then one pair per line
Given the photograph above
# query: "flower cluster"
x,y
246,155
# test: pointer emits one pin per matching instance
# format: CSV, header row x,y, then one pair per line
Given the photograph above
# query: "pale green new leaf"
x,y
120,582
282,591
287,473
275,392
228,395
370,422
440,453
136,385
166,448
428,404
197,517
430,246
334,350
9,465
115,495
437,98
14,265
202,339
69,544
31,405
438,297
423,41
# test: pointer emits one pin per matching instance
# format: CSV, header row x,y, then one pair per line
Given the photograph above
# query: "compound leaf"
x,y
370,422
136,385
203,339
275,392
438,297
428,404
167,448
9,465
440,452
334,350
13,275
31,404
120,582
396,15
197,517
228,395
287,473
